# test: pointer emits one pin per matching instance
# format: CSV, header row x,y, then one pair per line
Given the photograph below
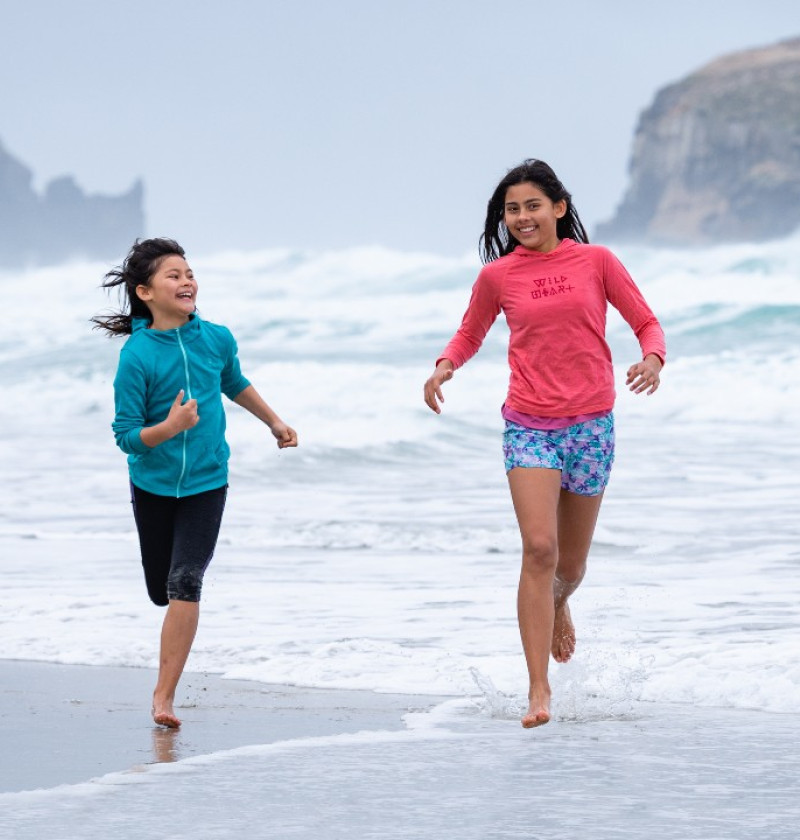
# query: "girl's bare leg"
x,y
556,529
577,517
535,493
177,635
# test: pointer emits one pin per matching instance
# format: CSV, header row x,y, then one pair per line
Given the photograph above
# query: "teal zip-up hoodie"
x,y
199,358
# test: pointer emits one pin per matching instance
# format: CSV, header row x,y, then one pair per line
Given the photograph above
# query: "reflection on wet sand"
x,y
165,745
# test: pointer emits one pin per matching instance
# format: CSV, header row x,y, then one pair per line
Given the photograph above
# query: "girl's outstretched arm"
x,y
251,400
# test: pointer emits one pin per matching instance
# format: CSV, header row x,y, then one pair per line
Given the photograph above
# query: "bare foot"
x,y
563,645
538,710
163,715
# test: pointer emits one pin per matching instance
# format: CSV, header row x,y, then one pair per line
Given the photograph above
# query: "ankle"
x,y
539,691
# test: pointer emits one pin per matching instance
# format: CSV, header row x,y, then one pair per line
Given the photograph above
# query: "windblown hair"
x,y
496,240
138,268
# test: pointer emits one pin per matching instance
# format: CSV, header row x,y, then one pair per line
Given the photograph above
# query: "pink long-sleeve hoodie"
x,y
555,305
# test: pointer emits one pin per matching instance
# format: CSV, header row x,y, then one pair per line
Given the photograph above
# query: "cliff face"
x,y
64,222
716,157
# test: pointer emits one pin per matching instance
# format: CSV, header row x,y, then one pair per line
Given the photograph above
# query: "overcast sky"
x,y
332,124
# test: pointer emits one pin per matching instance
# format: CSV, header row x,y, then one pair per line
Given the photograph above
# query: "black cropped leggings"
x,y
177,539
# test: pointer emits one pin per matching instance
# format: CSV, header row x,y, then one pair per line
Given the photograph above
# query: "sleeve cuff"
x,y
135,444
233,391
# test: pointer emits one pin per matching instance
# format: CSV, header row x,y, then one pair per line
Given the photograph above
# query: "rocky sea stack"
x,y
716,157
63,222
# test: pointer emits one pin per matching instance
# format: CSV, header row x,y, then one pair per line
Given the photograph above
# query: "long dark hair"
x,y
496,240
139,266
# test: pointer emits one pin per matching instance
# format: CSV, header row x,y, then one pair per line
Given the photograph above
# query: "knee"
x,y
571,574
158,595
539,554
571,565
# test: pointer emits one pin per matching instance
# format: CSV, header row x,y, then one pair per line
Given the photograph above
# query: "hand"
x,y
182,417
285,435
433,387
645,375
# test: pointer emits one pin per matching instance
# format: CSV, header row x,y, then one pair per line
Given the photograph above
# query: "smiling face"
x,y
531,217
171,295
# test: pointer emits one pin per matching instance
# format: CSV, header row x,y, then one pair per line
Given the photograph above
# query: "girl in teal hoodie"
x,y
169,419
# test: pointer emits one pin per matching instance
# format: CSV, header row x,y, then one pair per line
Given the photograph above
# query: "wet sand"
x,y
64,724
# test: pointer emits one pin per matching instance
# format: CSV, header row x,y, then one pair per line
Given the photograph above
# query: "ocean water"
x,y
383,553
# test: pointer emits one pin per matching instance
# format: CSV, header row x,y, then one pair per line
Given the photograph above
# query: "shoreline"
x,y
66,724
674,771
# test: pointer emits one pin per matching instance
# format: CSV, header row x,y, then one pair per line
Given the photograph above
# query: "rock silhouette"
x,y
716,157
63,222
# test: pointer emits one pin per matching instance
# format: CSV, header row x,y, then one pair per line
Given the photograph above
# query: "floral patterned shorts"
x,y
584,452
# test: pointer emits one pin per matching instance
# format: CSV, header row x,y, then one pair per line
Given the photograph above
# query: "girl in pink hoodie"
x,y
553,288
